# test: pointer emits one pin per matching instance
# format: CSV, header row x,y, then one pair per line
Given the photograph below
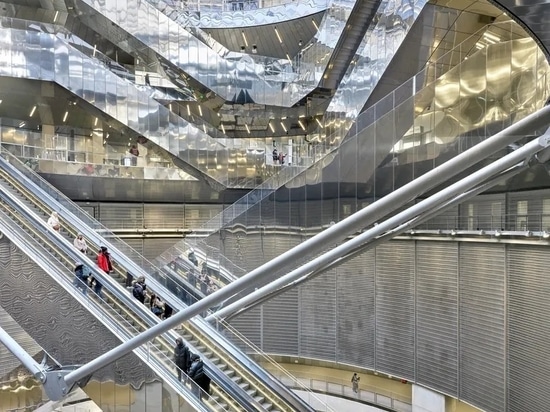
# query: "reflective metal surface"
x,y
209,19
532,14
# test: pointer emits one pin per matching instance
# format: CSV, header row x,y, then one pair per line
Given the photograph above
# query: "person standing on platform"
x,y
355,382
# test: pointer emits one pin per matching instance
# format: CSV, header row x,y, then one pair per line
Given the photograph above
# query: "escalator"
x,y
118,311
235,376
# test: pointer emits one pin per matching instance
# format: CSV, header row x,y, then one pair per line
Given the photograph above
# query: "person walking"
x,y
355,382
181,357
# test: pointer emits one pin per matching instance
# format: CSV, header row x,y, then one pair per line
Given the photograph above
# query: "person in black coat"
x,y
181,357
197,373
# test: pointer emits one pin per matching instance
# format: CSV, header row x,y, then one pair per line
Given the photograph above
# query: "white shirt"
x,y
53,221
80,244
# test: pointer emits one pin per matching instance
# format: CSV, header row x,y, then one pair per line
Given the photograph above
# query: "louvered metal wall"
x,y
150,248
483,212
318,317
281,324
482,378
118,216
355,311
437,315
528,328
395,320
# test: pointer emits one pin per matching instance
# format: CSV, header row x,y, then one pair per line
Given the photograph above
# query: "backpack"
x,y
137,291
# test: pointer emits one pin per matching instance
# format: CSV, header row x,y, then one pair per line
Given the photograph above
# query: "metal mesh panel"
x,y
482,326
485,212
528,330
121,215
280,324
395,321
250,325
437,315
355,316
136,244
152,247
529,210
318,318
163,216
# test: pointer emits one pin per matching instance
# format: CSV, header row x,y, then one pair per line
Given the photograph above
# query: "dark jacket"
x,y
139,291
181,356
197,373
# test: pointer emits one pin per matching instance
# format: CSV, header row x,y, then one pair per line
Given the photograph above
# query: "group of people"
x,y
278,158
192,365
83,276
159,307
207,284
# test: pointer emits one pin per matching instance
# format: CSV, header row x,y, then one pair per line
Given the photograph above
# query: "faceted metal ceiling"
x,y
294,34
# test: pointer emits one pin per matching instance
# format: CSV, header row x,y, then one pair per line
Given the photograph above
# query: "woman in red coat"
x,y
105,264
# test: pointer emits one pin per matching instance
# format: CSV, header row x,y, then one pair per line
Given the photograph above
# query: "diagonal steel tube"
x,y
364,217
300,275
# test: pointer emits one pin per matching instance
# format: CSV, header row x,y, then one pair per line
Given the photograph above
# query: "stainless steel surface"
x,y
533,15
399,223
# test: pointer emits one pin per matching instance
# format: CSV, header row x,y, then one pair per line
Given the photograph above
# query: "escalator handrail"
x,y
114,287
54,271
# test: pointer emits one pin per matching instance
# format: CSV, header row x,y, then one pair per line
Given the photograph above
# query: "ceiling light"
x,y
95,49
315,24
271,127
56,14
319,123
244,38
247,129
301,125
289,59
223,129
95,122
32,111
283,126
22,124
278,35
188,111
65,116
170,107
204,128
200,110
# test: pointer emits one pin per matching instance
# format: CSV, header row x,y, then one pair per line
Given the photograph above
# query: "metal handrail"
x,y
156,278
